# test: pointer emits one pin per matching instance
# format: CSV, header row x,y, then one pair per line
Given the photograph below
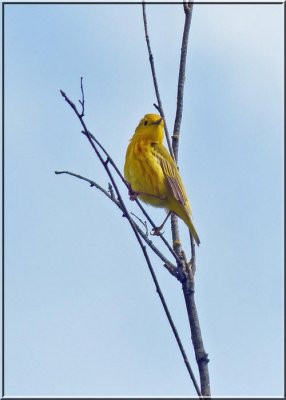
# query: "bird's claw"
x,y
133,195
156,231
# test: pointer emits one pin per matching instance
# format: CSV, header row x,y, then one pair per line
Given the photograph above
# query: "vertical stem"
x,y
201,355
188,8
188,285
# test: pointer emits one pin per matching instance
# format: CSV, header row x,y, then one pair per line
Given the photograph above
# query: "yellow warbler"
x,y
152,173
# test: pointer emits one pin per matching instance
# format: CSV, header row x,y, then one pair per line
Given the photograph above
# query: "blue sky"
x,y
82,314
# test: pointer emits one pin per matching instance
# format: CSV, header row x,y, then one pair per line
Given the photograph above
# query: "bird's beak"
x,y
157,122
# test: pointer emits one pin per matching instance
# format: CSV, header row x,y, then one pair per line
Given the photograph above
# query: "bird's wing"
x,y
171,173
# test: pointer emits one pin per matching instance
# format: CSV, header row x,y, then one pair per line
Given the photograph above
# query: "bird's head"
x,y
151,127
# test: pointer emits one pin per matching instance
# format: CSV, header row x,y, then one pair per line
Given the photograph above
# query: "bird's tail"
x,y
193,231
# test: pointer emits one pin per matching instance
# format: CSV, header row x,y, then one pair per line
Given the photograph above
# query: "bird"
x,y
152,174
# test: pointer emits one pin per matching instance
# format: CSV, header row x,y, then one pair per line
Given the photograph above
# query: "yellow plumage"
x,y
152,172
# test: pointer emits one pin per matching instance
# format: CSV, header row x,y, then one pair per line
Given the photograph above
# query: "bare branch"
x,y
201,354
144,223
82,97
188,8
92,184
159,107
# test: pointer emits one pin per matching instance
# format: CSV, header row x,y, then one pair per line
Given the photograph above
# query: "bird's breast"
x,y
144,172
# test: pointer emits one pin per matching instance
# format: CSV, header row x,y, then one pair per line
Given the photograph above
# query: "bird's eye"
x,y
145,123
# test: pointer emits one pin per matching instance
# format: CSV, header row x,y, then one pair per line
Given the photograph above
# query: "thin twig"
x,y
188,8
144,223
92,183
159,107
82,97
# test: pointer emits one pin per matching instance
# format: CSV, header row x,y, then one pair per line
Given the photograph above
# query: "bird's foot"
x,y
156,231
133,195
